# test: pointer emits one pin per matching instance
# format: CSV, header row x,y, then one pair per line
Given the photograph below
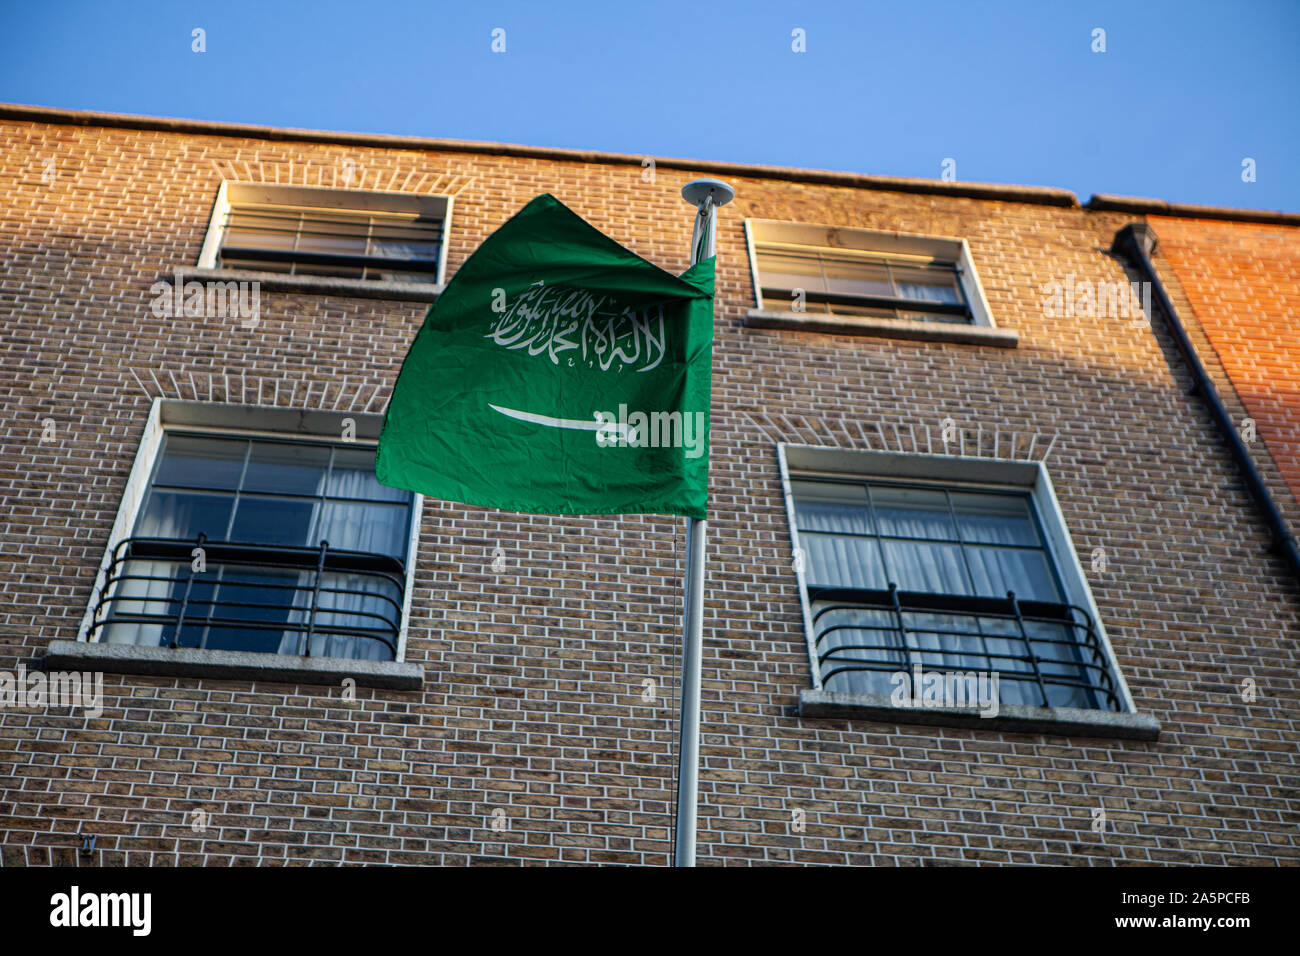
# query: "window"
x,y
348,234
900,570
858,273
254,541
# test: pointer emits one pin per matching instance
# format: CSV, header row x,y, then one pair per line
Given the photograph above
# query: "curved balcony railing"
x,y
307,597
1052,649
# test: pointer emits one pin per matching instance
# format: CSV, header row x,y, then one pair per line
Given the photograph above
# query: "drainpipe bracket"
x,y
1142,235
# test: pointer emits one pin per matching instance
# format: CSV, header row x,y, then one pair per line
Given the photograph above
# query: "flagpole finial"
x,y
697,191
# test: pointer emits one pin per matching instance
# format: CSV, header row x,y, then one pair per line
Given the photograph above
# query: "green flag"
x,y
558,373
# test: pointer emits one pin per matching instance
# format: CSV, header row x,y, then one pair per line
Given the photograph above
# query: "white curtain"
x,y
130,596
841,551
933,293
352,526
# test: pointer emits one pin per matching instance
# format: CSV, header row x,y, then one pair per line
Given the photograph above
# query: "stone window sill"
x,y
882,328
1017,718
319,285
230,665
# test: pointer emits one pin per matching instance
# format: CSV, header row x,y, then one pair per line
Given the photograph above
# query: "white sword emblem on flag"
x,y
612,429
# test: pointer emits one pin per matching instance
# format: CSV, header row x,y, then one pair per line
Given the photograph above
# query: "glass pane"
x,y
360,602
261,594
912,512
856,277
404,239
1058,696
278,521
353,476
261,230
1055,647
254,238
146,635
149,587
829,506
281,588
785,301
935,284
286,469
357,602
344,236
1059,656
250,602
994,519
999,570
782,270
255,640
374,528
1008,655
944,640
859,649
418,230
841,562
190,462
349,647
415,251
1018,688
918,566
184,515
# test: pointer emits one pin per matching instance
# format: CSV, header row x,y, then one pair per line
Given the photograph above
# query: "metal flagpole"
x,y
707,195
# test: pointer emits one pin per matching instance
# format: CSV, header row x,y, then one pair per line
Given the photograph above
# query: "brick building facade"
x,y
540,727
1242,280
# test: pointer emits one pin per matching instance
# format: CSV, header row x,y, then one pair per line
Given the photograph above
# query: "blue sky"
x,y
1012,92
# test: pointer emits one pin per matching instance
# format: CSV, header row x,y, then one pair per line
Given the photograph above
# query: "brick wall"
x,y
532,702
1242,280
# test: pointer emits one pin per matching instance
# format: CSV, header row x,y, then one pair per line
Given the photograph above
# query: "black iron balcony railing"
x,y
1052,649
279,599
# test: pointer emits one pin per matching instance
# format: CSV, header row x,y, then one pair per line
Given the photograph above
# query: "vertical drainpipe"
x,y
1135,243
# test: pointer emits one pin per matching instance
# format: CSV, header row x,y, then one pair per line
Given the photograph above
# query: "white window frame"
x,y
228,193
949,471
869,240
244,421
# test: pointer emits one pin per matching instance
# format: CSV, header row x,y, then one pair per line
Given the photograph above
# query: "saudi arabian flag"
x,y
558,373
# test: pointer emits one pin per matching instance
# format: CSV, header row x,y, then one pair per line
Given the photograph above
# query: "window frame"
x,y
951,472
381,200
884,243
245,422
279,438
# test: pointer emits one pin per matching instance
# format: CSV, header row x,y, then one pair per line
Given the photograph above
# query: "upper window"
x,y
901,572
856,272
350,234
263,544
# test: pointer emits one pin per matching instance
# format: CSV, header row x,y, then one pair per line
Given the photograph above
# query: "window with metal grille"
x,y
327,232
947,577
255,544
855,272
